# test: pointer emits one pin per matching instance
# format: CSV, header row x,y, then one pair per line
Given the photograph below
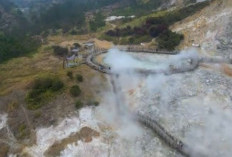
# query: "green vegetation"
x,y
22,131
155,27
68,14
75,91
97,22
70,74
79,78
12,106
138,7
96,103
177,15
78,104
60,51
169,40
17,38
77,45
92,103
42,90
11,46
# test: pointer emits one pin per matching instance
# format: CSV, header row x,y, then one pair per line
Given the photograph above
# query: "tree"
x,y
169,40
60,51
97,22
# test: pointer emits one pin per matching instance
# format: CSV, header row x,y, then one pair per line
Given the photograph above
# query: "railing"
x,y
151,123
136,48
93,64
170,140
90,60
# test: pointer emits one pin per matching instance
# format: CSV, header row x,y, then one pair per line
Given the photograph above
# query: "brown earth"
x,y
85,134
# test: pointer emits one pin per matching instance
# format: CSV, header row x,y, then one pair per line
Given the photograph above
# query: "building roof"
x,y
75,50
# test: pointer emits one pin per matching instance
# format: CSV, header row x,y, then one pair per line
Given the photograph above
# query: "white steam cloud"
x,y
190,105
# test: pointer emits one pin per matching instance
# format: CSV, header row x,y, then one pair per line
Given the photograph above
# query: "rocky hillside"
x,y
209,29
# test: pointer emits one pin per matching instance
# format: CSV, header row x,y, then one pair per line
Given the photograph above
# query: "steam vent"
x,y
115,78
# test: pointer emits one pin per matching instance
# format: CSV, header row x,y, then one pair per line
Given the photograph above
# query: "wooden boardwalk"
x,y
170,140
147,121
163,134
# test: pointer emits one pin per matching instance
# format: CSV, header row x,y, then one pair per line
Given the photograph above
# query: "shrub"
x,y
92,103
169,40
57,85
22,131
75,90
42,83
158,29
73,32
95,103
131,40
78,104
42,90
97,22
79,78
111,33
60,51
77,45
70,74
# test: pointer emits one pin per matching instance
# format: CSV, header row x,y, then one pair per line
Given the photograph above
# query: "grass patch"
x,y
12,106
79,104
43,89
22,131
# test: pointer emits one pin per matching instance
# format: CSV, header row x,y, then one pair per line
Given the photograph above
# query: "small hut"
x,y
90,46
75,51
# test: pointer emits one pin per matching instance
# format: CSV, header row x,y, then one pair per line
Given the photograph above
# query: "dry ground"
x,y
15,79
203,27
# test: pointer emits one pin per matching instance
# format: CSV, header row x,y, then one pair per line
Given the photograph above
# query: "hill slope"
x,y
210,28
10,17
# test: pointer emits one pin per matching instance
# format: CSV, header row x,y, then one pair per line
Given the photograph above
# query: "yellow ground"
x,y
103,44
18,73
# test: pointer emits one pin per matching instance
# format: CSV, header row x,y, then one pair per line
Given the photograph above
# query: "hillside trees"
x,y
97,22
11,46
42,90
157,27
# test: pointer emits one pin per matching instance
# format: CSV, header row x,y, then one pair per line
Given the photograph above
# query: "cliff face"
x,y
210,29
